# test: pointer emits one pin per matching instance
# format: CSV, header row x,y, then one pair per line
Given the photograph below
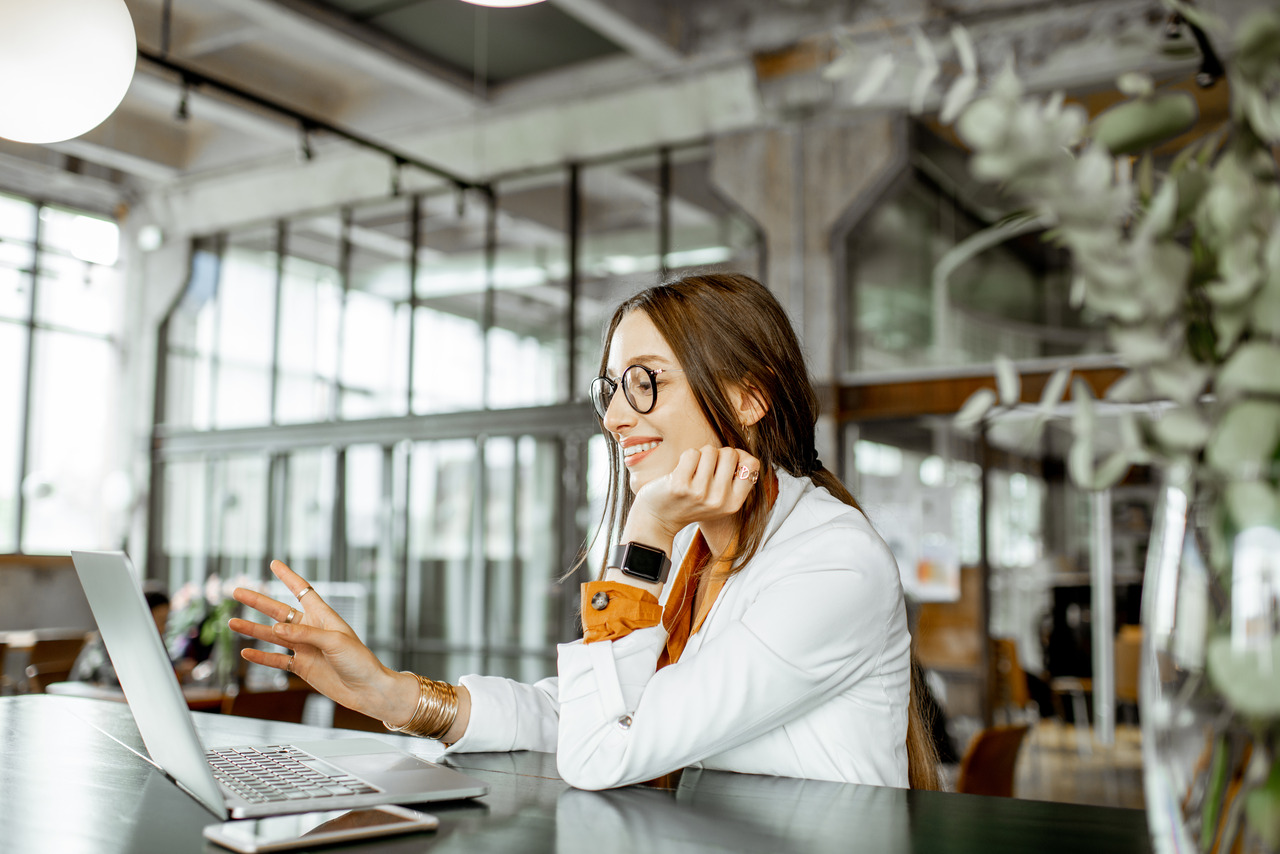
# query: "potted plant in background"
x,y
198,629
1181,262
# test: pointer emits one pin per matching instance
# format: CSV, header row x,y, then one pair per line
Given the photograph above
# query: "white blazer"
x,y
801,669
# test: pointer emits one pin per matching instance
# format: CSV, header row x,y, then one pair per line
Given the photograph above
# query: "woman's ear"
x,y
749,403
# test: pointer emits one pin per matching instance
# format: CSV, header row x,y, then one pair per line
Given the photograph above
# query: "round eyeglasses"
x,y
639,386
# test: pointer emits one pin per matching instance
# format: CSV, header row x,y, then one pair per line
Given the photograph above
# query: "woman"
x,y
778,642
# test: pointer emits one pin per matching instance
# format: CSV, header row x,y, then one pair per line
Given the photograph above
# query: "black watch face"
x,y
642,562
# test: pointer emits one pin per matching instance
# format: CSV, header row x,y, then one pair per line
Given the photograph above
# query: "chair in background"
x,y
987,767
344,718
286,705
56,649
41,676
1009,681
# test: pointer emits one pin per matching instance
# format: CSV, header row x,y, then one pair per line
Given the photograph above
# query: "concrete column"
x,y
806,184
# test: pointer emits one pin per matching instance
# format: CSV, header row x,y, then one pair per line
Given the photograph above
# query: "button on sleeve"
x,y
611,611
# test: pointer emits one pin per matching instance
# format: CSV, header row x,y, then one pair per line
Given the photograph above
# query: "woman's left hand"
x,y
706,485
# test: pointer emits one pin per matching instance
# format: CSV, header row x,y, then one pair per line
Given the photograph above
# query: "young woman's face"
x,y
651,443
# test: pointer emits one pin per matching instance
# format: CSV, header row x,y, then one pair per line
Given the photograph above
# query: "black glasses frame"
x,y
601,399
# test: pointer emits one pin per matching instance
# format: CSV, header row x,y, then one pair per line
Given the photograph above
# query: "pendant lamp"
x,y
502,4
65,66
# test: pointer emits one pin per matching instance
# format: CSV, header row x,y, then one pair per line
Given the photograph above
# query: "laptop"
x,y
358,772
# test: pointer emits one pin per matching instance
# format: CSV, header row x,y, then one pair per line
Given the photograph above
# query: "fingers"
x,y
263,604
278,660
296,583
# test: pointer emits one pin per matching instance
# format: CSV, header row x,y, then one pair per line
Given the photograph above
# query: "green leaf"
x,y
1109,472
1247,678
1239,261
1020,434
958,96
1135,84
1182,429
1229,322
1250,503
1158,221
873,79
1054,389
1179,379
1182,380
1163,274
1146,177
1130,388
1192,184
983,124
975,408
1257,43
1084,419
929,68
1144,344
1246,437
1133,126
1008,382
1253,369
1262,808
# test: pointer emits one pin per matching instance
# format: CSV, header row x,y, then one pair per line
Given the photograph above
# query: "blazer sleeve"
x,y
509,715
822,622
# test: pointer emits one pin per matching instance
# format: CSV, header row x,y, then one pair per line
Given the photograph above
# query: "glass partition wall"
x,y
992,538
391,398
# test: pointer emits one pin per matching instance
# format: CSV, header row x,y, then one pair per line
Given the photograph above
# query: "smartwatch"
x,y
640,562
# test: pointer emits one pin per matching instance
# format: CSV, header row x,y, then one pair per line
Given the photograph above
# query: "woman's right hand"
x,y
325,652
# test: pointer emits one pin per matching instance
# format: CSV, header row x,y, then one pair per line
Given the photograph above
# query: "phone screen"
x,y
315,828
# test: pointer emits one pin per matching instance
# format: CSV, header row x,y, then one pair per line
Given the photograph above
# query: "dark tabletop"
x,y
72,779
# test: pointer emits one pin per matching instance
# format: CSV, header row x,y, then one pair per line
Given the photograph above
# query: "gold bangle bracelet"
x,y
436,711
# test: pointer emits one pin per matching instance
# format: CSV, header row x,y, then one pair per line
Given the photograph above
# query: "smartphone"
x,y
280,833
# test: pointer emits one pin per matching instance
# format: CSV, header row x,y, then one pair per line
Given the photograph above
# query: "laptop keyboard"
x,y
280,773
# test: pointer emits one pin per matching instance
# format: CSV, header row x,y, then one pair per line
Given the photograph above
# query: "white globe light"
x,y
65,66
502,4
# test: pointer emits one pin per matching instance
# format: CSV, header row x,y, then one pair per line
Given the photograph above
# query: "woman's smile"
x,y
633,451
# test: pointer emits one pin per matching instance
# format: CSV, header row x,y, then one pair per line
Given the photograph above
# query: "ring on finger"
x,y
303,592
291,616
745,473
289,664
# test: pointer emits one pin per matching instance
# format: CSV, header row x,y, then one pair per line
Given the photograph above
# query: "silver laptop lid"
x,y
146,675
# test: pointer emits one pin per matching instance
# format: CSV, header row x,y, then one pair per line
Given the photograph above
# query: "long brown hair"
x,y
729,329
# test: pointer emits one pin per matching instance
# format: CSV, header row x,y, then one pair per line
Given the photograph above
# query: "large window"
x,y
61,303
395,392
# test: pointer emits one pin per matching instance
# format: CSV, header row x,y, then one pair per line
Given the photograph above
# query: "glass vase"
x,y
1210,696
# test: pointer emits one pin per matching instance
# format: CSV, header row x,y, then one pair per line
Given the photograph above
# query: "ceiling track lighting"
x,y
308,124
304,143
183,112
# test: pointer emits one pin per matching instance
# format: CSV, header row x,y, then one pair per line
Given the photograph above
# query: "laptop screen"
x,y
146,675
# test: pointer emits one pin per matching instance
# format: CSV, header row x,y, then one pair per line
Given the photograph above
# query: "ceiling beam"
x,y
133,143
623,31
357,45
217,37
